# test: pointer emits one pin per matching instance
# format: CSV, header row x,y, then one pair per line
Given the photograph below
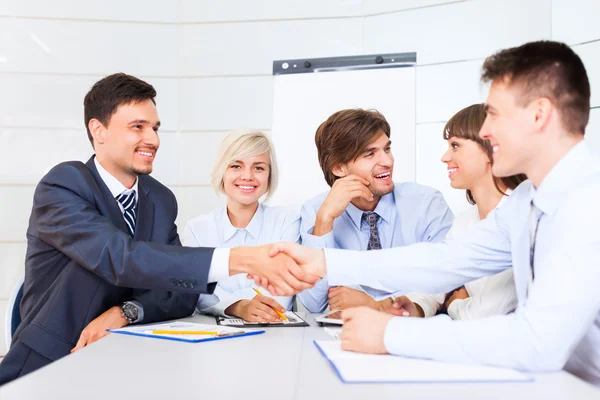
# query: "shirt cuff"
x,y
318,242
219,265
455,307
400,333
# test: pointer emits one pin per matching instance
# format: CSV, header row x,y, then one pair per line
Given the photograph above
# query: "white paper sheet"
x,y
369,368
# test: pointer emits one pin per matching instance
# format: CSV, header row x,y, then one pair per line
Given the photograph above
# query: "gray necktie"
x,y
374,241
534,220
128,203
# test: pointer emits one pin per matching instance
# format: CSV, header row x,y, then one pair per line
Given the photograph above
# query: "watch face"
x,y
130,311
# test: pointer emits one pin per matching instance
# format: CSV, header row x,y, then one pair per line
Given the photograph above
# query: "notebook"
x,y
378,368
222,332
293,321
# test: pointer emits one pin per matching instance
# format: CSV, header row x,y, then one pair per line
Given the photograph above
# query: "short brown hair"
x,y
110,92
546,69
466,124
344,136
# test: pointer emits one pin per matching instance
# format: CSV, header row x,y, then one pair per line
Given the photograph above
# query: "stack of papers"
x,y
371,368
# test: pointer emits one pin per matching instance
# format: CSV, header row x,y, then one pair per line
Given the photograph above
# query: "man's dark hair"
x,y
545,69
345,135
110,92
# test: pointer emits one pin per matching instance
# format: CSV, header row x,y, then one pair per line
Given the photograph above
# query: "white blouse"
x,y
491,295
268,225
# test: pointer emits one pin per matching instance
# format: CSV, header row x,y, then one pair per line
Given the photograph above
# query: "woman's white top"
x,y
492,295
268,225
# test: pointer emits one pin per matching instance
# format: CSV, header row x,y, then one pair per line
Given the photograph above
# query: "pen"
x,y
283,317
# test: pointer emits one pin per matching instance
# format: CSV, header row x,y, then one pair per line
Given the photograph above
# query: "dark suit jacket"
x,y
81,260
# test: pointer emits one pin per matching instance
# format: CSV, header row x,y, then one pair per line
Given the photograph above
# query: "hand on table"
x,y
110,319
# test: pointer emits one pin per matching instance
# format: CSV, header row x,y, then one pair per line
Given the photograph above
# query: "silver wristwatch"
x,y
130,311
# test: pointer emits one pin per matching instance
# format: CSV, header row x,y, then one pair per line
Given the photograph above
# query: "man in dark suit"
x,y
102,245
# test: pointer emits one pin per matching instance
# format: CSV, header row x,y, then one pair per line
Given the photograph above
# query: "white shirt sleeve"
x,y
426,267
540,336
430,303
493,295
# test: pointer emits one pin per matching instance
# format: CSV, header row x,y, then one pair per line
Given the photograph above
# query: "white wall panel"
x,y
130,10
15,211
2,312
12,267
243,10
444,89
590,55
386,6
79,47
28,154
38,100
214,104
575,21
197,152
592,132
251,48
194,201
458,31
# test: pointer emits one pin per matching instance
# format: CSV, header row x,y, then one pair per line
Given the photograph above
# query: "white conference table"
x,y
282,363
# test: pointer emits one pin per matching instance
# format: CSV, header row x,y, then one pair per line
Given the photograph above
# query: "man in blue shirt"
x,y
365,210
537,112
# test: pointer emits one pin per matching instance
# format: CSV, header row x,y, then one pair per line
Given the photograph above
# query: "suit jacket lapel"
x,y
145,213
107,204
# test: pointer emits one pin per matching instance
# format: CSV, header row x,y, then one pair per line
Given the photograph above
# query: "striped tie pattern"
x,y
127,200
374,241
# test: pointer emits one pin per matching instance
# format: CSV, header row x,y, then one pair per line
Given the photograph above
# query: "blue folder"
x,y
140,331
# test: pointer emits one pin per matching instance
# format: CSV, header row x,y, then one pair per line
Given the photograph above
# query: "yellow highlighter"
x,y
172,332
283,317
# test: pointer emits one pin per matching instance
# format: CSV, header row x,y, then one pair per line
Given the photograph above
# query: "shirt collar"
x,y
114,186
253,227
548,195
384,209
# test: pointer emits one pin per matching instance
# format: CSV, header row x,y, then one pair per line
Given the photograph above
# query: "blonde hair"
x,y
243,144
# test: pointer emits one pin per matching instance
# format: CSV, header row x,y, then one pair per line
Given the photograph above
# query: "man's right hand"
x,y
343,191
259,309
284,276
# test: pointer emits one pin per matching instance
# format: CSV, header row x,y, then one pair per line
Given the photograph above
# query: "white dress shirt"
x,y
268,225
556,323
491,295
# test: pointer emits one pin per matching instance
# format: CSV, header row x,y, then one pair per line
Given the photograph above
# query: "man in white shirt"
x,y
537,110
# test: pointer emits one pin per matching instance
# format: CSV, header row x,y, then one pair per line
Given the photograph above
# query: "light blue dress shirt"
x,y
268,225
557,321
411,213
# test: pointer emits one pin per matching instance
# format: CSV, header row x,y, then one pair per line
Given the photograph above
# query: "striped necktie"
x,y
128,202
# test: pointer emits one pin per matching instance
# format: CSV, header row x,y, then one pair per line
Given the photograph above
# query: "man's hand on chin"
x,y
279,273
364,329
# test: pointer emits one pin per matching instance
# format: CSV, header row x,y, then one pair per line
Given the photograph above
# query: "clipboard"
x,y
295,321
145,331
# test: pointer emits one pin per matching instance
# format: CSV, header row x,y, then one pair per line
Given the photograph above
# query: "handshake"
x,y
282,268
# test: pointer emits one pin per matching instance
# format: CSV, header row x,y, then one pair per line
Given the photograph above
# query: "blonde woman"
x,y
245,170
468,160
